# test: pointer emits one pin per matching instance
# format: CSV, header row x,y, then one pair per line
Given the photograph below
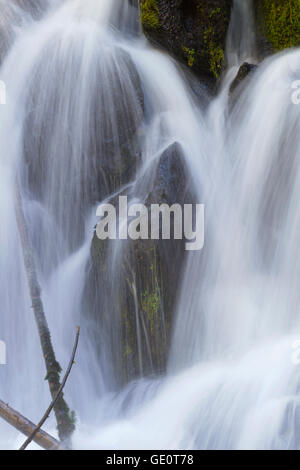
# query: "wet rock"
x,y
35,7
194,31
244,71
277,25
78,151
131,303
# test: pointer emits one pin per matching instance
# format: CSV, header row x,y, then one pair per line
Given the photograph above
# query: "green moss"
x,y
194,31
151,306
216,53
281,22
190,55
216,59
214,11
211,41
127,351
149,14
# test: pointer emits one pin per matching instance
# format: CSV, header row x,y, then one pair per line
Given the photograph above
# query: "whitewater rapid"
x,y
232,379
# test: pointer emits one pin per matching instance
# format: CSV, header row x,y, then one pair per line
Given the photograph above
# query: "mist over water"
x,y
72,73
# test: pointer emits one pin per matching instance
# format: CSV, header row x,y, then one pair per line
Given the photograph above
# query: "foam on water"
x,y
231,381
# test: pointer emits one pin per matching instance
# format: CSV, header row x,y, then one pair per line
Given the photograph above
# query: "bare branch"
x,y
65,424
22,424
50,408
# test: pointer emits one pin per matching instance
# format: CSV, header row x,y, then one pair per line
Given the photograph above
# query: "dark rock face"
x,y
134,306
277,25
244,71
95,152
194,31
34,7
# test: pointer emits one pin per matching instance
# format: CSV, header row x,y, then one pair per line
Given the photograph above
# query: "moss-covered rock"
x,y
194,31
132,285
150,14
278,24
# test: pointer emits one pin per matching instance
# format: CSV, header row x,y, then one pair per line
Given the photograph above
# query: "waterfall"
x,y
241,40
88,91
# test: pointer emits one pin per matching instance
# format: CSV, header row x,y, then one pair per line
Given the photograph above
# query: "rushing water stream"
x,y
230,382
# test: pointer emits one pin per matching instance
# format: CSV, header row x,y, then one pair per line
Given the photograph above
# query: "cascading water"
x,y
241,41
88,91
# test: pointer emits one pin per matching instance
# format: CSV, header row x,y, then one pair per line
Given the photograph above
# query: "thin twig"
x,y
46,415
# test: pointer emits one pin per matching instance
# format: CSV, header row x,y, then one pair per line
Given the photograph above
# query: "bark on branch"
x,y
65,421
26,427
50,408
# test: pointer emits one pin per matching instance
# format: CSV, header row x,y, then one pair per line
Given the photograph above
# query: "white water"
x,y
231,382
241,40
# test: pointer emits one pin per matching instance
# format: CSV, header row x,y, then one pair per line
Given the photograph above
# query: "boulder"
x,y
131,291
81,138
277,25
245,71
193,31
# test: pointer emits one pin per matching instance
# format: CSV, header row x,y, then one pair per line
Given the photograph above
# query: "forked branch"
x,y
50,408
